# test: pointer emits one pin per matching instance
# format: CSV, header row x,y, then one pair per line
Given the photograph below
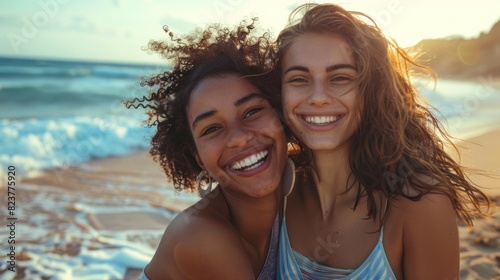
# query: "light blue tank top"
x,y
293,265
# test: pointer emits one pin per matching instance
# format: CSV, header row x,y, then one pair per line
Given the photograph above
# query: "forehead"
x,y
218,92
318,49
225,86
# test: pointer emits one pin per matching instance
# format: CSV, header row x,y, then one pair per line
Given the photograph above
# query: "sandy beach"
x,y
103,219
480,246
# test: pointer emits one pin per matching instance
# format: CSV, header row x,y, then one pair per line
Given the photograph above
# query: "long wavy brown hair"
x,y
399,142
203,53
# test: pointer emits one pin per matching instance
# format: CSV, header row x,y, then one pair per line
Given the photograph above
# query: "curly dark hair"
x,y
399,142
203,53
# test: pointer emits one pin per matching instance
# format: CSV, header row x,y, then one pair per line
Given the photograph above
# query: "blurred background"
x,y
90,203
115,30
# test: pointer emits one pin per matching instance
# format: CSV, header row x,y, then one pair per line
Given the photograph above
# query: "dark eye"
x,y
210,129
297,81
341,79
252,111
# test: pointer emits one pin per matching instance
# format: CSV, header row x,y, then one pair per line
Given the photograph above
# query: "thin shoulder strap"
x,y
288,181
383,213
386,205
285,199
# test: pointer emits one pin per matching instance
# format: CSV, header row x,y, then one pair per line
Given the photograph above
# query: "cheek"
x,y
269,128
288,102
276,128
205,154
356,107
352,101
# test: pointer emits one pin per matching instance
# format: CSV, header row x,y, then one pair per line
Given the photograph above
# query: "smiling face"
x,y
319,91
238,136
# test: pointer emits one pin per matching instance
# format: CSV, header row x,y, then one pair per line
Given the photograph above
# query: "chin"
x,y
264,191
321,145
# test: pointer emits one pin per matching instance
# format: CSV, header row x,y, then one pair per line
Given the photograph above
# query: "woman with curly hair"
x,y
216,123
377,189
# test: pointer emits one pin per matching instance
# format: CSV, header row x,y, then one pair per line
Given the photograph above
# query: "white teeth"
x,y
321,119
249,163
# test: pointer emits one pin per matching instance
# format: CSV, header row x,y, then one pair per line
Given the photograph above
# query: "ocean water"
x,y
465,108
56,114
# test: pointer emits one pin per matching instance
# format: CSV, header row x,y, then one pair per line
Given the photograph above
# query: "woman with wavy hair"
x,y
216,123
377,195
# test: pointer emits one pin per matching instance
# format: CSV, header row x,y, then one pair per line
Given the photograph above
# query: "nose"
x,y
239,136
319,94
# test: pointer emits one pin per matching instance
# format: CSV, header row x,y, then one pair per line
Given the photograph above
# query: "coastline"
x,y
135,175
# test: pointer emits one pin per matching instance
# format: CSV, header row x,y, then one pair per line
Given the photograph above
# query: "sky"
x,y
118,30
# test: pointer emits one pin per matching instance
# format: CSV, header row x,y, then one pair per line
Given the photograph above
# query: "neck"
x,y
254,217
331,179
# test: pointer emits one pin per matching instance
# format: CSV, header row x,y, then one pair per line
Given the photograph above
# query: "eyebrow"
x,y
247,98
328,69
203,116
237,103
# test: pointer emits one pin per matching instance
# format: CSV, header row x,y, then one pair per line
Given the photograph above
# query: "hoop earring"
x,y
201,177
288,178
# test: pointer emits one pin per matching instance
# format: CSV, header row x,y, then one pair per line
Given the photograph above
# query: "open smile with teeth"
x,y
250,162
321,120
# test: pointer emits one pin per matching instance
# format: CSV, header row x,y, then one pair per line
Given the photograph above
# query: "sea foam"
x,y
32,145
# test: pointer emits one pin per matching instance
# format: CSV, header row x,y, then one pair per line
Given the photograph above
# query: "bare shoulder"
x,y
431,211
429,203
198,243
429,236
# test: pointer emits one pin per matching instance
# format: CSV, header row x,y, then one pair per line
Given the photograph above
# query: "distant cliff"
x,y
459,58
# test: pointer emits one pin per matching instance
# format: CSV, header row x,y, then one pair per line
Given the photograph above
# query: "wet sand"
x,y
106,212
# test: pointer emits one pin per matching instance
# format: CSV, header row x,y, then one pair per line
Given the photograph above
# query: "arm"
x,y
430,239
200,249
213,257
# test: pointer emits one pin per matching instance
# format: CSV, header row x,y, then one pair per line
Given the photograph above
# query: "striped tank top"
x,y
293,265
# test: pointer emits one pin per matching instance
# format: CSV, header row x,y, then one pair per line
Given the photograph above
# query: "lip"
x,y
247,173
337,118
